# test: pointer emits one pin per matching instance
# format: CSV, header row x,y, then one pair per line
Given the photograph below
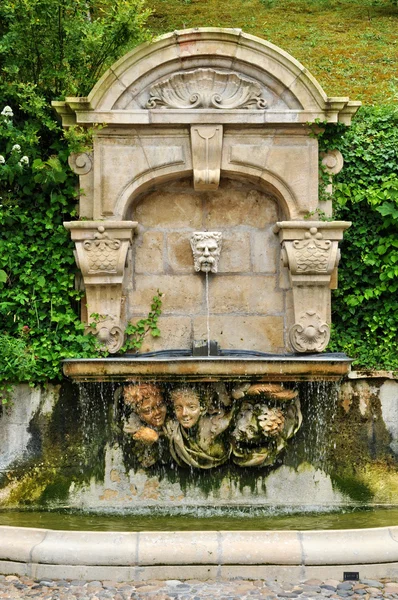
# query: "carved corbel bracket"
x,y
310,252
206,142
101,254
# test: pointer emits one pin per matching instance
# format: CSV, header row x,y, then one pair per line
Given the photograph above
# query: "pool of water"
x,y
205,519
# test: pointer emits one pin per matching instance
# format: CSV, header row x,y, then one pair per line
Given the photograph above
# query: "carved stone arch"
x,y
141,186
121,87
264,180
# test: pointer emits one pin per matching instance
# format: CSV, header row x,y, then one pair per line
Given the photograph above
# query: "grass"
x,y
350,46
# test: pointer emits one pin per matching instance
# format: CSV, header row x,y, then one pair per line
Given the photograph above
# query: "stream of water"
x,y
208,313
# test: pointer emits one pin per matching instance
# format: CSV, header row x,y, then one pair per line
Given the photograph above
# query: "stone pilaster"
x,y
310,252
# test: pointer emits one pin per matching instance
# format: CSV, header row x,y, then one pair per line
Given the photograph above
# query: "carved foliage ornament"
x,y
206,248
206,88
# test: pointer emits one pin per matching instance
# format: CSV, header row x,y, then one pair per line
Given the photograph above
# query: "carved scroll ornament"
x,y
80,163
206,88
310,334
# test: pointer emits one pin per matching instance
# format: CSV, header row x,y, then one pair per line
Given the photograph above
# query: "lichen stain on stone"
x,y
360,457
109,494
151,490
115,476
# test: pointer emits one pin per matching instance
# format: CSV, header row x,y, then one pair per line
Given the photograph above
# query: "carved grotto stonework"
x,y
310,252
207,425
101,253
206,88
206,248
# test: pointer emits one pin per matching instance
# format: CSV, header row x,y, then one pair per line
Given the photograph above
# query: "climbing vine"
x,y
365,306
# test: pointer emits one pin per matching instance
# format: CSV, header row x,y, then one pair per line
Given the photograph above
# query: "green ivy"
x,y
48,49
38,298
365,306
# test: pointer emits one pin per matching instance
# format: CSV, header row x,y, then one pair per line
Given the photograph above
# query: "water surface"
x,y
202,519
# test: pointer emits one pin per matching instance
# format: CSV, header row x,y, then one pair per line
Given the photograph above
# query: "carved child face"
x,y
187,407
148,403
206,248
152,411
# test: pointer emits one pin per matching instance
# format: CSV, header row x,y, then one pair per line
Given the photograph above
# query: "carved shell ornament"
x,y
310,333
206,88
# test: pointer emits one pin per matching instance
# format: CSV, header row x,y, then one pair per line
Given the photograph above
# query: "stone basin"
x,y
314,367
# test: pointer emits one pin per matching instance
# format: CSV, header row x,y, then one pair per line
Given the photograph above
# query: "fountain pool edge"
x,y
124,556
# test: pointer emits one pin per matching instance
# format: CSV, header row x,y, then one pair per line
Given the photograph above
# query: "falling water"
x,y
208,313
319,403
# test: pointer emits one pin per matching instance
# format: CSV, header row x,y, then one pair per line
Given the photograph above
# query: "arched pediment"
x,y
209,70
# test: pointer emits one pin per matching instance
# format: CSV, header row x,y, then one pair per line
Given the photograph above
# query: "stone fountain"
x,y
203,184
207,141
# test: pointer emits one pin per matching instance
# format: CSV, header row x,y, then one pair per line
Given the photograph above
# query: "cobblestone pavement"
x,y
237,589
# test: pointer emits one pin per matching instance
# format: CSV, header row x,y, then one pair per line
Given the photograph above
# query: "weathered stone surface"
x,y
235,293
231,207
168,209
265,251
250,333
179,252
176,332
182,294
235,253
149,252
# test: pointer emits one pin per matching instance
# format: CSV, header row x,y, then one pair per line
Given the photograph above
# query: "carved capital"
x,y
101,252
206,141
311,255
310,252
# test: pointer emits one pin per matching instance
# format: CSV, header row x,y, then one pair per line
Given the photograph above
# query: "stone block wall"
x,y
248,298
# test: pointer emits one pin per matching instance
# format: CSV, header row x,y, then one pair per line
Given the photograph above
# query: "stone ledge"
x,y
274,368
93,554
368,374
200,572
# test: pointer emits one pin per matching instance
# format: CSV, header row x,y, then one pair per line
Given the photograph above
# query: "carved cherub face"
x,y
148,403
187,407
206,248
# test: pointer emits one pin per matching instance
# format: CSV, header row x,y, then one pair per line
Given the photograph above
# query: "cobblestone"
x,y
12,587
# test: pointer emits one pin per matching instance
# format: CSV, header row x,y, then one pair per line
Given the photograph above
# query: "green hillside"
x,y
350,46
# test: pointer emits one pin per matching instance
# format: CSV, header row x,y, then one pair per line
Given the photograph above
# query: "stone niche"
x,y
207,130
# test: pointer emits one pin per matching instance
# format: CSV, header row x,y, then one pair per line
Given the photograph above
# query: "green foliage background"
x,y
365,306
50,48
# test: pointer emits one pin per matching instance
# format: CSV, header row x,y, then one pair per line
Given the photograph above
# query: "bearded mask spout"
x,y
206,248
